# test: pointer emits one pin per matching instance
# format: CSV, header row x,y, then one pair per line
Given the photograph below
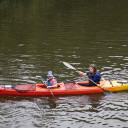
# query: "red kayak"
x,y
62,89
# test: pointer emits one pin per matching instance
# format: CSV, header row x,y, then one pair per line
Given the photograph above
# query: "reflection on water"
x,y
92,109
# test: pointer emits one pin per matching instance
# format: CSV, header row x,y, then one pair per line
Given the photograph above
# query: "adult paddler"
x,y
94,76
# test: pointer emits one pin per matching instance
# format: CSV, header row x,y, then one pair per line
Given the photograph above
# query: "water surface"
x,y
37,36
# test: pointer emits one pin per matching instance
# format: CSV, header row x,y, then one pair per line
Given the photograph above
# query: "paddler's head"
x,y
93,69
50,74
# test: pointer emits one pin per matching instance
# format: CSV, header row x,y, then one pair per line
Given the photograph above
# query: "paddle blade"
x,y
39,77
68,65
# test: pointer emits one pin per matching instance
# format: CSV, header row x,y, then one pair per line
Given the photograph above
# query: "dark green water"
x,y
38,35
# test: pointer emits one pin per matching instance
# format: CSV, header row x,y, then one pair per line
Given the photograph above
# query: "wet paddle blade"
x,y
68,65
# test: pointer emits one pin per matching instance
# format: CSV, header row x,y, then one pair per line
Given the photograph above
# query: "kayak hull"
x,y
63,89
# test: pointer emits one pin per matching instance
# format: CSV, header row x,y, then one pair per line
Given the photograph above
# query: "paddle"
x,y
40,78
71,67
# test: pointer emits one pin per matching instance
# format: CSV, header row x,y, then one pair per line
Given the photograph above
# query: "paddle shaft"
x,y
52,94
99,86
50,91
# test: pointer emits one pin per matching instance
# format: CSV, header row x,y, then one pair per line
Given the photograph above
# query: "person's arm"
x,y
82,74
53,83
102,81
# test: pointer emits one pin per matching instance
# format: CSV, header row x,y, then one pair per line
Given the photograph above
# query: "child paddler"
x,y
51,80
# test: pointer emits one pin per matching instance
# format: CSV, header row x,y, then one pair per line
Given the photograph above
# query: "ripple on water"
x,y
94,110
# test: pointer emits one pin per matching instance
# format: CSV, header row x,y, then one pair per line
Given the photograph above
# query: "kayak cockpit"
x,y
45,86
